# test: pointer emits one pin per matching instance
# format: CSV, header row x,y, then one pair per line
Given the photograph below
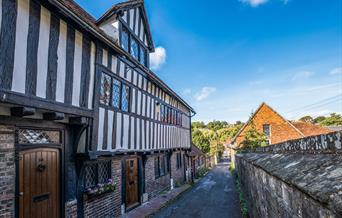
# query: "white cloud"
x,y
256,3
303,75
336,71
157,58
204,93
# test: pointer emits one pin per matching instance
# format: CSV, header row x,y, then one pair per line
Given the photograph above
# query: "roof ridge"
x,y
253,115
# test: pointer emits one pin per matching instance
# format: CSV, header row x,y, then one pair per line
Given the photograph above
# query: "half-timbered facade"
x,y
86,127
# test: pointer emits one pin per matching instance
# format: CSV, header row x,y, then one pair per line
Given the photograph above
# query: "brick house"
x,y
86,128
276,128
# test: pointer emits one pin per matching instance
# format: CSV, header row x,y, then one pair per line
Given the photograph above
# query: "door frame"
x,y
123,180
20,123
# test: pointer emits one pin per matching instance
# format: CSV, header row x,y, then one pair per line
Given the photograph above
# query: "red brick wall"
x,y
177,174
153,185
7,172
280,129
109,204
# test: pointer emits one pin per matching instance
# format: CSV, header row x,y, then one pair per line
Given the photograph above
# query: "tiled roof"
x,y
309,129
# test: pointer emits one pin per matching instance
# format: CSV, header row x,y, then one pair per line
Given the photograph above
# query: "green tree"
x,y
216,125
198,125
201,141
307,119
333,120
319,119
254,139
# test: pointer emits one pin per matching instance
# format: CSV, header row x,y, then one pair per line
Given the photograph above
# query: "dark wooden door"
x,y
132,195
39,189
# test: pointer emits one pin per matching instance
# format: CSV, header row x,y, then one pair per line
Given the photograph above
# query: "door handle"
x,y
21,194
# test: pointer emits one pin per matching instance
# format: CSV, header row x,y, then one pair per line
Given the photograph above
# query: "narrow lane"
x,y
213,197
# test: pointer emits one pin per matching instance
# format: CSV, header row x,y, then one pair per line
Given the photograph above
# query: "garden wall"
x,y
299,178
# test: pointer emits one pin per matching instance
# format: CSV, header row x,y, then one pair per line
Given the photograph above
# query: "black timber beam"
x,y
22,111
53,116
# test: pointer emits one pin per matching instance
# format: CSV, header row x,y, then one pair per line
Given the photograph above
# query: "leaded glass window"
x,y
125,98
105,89
124,39
142,58
162,115
134,49
97,173
116,93
34,136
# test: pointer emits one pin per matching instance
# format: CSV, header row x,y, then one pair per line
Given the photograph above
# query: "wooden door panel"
x,y
39,183
132,195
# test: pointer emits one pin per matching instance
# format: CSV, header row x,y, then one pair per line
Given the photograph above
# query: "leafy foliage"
x,y
201,140
254,139
307,119
333,120
211,137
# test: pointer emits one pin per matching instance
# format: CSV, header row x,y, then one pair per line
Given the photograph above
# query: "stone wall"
x,y
7,172
154,185
109,204
299,178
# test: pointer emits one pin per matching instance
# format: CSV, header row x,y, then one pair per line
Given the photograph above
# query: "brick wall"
x,y
71,209
280,129
7,172
109,204
177,174
153,185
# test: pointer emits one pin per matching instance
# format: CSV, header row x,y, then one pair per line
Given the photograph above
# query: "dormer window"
x,y
132,45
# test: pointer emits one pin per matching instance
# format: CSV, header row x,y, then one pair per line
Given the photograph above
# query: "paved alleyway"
x,y
213,196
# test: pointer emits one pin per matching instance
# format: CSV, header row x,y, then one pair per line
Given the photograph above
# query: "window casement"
x,y
179,160
266,130
161,166
125,98
114,93
130,44
143,56
105,89
134,51
97,173
125,39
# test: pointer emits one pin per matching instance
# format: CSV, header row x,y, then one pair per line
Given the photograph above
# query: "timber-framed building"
x,y
86,128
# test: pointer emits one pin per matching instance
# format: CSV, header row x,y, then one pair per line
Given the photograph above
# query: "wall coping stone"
x,y
317,175
327,143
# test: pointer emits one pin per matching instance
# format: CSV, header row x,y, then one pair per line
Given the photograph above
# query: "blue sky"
x,y
225,57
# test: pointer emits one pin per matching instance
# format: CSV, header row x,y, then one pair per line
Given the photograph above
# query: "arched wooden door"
x,y
39,188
